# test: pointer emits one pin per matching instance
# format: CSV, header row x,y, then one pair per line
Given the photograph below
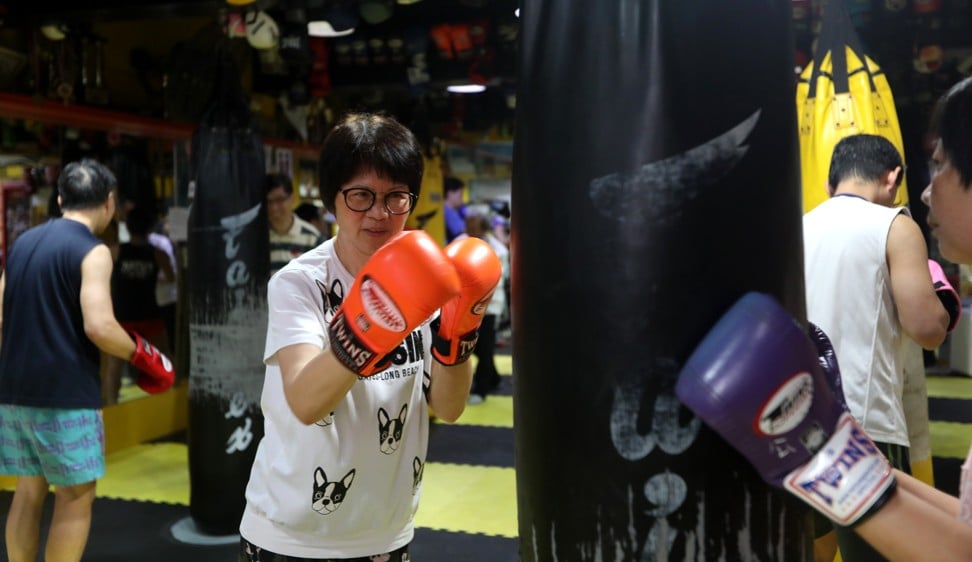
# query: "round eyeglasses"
x,y
360,200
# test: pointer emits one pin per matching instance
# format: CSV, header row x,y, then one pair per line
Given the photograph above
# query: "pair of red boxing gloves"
x,y
401,286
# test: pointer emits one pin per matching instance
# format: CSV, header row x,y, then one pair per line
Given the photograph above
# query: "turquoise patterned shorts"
x,y
64,446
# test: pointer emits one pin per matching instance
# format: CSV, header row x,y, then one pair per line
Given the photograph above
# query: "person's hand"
x,y
946,293
761,383
157,374
399,287
456,330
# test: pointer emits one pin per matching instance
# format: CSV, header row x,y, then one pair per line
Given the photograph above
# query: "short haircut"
x,y
308,211
139,221
865,157
450,184
85,184
363,142
952,123
273,181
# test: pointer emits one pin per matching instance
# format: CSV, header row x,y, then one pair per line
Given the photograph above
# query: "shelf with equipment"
x,y
19,106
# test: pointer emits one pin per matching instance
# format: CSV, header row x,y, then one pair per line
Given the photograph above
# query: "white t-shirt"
x,y
348,485
848,289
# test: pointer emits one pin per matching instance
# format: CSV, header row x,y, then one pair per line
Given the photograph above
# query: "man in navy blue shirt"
x,y
455,208
56,319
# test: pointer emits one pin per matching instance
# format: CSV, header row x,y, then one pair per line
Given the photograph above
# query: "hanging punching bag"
x,y
228,266
667,130
842,92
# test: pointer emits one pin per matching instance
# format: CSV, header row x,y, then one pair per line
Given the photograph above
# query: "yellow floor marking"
x,y
950,439
153,473
469,499
504,364
949,387
496,411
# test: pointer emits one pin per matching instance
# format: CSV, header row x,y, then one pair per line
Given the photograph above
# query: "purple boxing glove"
x,y
946,293
757,380
827,358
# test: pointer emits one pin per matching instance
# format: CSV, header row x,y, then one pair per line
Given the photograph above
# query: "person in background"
x,y
869,288
314,215
350,383
166,291
290,236
138,267
486,378
454,207
56,320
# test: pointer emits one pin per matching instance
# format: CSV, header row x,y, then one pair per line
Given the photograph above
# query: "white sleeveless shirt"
x,y
848,287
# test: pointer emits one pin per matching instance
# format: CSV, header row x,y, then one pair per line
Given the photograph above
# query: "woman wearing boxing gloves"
x,y
754,380
367,332
57,319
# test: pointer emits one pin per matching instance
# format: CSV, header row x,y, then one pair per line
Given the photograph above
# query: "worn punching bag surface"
x,y
228,244
656,180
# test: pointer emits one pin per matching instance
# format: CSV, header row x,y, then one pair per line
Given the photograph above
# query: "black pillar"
x,y
656,180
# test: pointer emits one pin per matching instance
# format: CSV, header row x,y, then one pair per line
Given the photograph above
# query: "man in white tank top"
x,y
868,287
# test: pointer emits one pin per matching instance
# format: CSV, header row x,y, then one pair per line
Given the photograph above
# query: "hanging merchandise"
x,y
840,93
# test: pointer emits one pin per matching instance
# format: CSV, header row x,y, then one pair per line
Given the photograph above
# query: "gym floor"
x,y
468,509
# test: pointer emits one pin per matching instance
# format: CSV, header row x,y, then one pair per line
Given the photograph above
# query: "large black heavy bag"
x,y
656,180
229,264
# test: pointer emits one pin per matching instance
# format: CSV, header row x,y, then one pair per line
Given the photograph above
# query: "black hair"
x,y
452,184
273,181
85,184
952,123
865,157
308,211
139,221
365,141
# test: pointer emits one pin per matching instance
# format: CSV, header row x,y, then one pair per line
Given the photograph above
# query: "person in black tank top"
x,y
133,281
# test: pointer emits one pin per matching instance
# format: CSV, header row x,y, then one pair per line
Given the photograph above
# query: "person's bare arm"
x,y
922,315
314,381
165,266
931,495
913,527
449,389
100,324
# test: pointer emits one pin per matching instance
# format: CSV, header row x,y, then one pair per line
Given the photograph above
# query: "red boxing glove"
x,y
399,287
946,293
156,373
456,330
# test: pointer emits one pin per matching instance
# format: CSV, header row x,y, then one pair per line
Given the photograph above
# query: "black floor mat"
x,y
127,531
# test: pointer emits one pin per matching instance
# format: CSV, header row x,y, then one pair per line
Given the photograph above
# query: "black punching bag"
x,y
656,180
227,275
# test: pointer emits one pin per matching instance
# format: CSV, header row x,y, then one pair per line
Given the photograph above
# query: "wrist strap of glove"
x,y
350,351
847,479
443,348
